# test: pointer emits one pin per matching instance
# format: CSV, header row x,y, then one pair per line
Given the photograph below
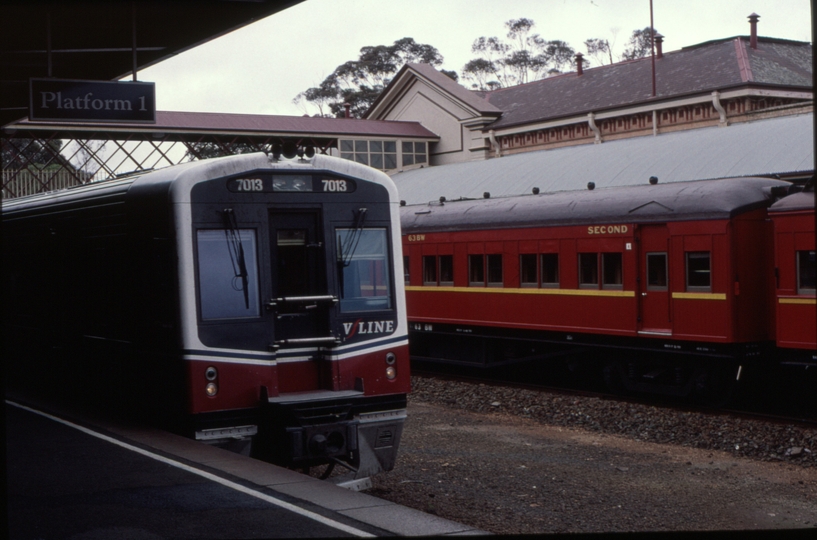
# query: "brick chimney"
x,y
659,50
753,33
579,58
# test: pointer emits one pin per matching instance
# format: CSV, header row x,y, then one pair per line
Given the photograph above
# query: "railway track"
x,y
742,406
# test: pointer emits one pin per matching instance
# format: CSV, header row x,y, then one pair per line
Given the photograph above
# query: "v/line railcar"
x,y
674,282
245,301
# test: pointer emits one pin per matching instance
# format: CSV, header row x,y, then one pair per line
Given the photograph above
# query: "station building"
x,y
735,106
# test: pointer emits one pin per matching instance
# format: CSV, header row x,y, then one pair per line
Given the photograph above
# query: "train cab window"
x,y
698,270
528,272
447,270
228,273
611,271
429,269
476,270
494,270
363,259
657,271
588,270
406,269
806,270
550,270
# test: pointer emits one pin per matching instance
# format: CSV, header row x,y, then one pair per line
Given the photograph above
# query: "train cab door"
x,y
299,298
654,304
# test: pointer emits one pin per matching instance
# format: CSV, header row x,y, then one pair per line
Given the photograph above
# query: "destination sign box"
x,y
290,182
92,101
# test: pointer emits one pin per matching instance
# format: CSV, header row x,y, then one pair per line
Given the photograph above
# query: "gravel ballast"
x,y
517,461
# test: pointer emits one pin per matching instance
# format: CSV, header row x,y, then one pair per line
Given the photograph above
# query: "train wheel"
x,y
714,386
613,374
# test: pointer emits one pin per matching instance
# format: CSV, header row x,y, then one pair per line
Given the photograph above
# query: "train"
x,y
247,301
674,289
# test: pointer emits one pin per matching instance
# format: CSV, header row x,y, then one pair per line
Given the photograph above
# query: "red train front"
x,y
681,269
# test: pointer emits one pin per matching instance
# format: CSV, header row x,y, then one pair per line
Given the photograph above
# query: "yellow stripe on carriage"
x,y
802,301
698,296
503,290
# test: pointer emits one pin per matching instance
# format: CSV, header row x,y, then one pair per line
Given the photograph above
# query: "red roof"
x,y
247,124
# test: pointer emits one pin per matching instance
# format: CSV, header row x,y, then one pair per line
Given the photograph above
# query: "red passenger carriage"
x,y
794,259
683,269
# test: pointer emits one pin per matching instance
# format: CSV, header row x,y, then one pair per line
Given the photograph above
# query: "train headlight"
x,y
211,389
390,358
391,373
211,373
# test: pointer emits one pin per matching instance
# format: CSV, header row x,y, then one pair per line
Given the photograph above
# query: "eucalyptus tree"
x,y
523,57
359,82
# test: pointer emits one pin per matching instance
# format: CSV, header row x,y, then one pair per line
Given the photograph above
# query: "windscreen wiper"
x,y
236,249
347,252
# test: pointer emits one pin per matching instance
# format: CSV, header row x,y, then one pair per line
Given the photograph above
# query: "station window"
x,y
806,270
550,270
414,153
698,270
528,272
611,271
588,270
378,154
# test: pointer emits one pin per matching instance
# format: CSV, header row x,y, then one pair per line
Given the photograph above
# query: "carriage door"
x,y
654,295
298,279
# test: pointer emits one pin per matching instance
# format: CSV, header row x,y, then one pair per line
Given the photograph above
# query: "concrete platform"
x,y
145,483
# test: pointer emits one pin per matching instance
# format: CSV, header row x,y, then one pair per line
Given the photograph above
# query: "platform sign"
x,y
92,101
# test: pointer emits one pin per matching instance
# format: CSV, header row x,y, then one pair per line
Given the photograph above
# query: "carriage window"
x,y
611,270
446,269
429,269
588,270
363,261
550,270
494,270
476,270
406,273
698,271
528,275
806,269
228,274
656,271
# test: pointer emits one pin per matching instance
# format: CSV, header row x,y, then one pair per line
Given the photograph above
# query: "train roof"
x,y
679,201
781,146
178,179
803,200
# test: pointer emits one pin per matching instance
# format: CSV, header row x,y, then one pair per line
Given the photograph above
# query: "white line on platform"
x,y
232,485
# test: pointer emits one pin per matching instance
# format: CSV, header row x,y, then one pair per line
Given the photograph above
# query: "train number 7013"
x,y
334,185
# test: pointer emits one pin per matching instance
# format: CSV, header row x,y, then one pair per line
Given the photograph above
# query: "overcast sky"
x,y
260,68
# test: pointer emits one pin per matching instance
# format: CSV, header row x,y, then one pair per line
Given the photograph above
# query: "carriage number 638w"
x,y
334,185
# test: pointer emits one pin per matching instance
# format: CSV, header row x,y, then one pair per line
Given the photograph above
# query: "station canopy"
x,y
94,40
